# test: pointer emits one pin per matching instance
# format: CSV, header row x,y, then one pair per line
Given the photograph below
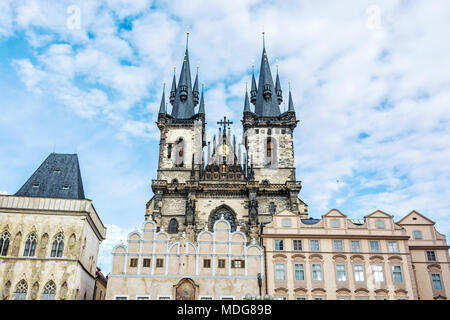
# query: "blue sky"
x,y
369,79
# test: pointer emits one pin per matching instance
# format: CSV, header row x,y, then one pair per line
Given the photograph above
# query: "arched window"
x,y
179,153
21,290
30,245
49,291
228,215
4,243
270,151
58,246
173,226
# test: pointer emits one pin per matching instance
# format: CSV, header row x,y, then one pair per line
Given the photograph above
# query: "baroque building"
x,y
49,235
341,259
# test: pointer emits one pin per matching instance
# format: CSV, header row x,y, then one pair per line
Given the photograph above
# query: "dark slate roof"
x,y
58,176
266,107
310,221
184,109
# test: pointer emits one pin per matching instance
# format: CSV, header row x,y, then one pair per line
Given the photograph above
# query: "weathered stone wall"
x,y
282,169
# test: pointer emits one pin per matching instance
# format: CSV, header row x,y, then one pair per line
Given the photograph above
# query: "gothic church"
x,y
246,181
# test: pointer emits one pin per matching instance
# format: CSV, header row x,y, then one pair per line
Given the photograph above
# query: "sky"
x,y
369,82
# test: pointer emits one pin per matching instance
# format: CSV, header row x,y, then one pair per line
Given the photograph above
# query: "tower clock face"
x,y
223,149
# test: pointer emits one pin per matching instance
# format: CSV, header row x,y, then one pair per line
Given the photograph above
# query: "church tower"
x,y
200,182
268,134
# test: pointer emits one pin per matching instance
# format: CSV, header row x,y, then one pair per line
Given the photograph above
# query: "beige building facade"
x,y
337,259
429,256
220,265
49,245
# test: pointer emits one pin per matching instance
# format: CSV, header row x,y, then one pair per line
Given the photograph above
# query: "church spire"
x,y
266,99
183,106
173,91
195,90
254,89
162,107
246,103
278,89
291,103
201,109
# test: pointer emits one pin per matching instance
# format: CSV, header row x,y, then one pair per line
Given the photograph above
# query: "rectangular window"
x,y
143,298
378,274
397,274
237,264
207,263
380,224
341,273
299,271
121,298
317,272
206,298
436,279
374,246
280,273
417,235
431,256
164,298
358,270
221,263
300,298
159,263
286,222
338,245
146,263
392,246
335,223
356,245
133,263
279,245
314,245
319,298
297,244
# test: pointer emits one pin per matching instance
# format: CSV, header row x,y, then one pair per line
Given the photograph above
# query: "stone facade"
x,y
220,264
72,274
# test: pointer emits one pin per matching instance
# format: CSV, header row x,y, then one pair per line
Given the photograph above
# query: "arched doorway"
x,y
228,214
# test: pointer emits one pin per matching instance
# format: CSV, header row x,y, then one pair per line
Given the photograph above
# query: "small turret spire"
x,y
278,88
162,107
195,90
201,109
291,103
173,91
254,89
246,103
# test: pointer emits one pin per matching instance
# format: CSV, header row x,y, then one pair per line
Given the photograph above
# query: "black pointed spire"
x,y
162,107
201,109
266,99
195,90
291,103
254,89
173,91
183,106
278,89
246,103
